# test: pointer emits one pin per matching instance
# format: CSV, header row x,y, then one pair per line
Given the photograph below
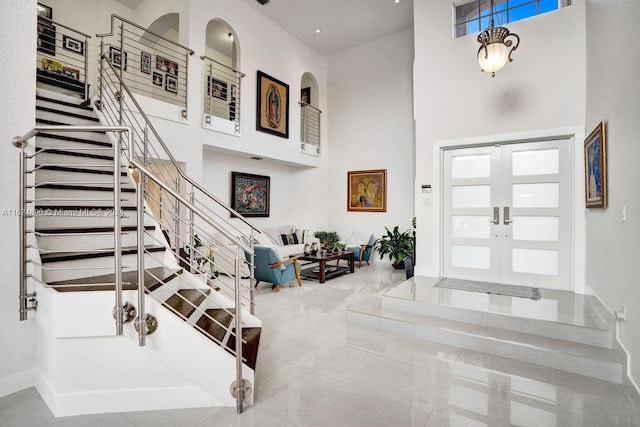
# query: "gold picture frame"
x,y
272,106
367,190
595,167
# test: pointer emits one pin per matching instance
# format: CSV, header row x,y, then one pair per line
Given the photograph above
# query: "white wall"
x,y
613,246
371,127
542,89
17,116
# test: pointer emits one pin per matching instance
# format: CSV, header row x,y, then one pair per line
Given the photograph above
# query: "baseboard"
x,y
17,381
632,390
108,401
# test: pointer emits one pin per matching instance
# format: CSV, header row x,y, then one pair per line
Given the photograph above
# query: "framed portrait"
x,y
163,64
74,73
217,88
51,65
44,11
73,45
157,79
46,38
367,190
115,56
595,168
250,194
272,109
305,95
170,84
145,62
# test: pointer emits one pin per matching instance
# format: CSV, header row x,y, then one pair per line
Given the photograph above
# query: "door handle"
x,y
507,221
496,216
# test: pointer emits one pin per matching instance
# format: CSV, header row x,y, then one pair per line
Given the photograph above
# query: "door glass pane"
x,y
535,261
537,162
543,195
471,196
471,166
474,227
471,256
538,228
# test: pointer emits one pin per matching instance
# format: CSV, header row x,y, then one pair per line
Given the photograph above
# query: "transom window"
x,y
473,16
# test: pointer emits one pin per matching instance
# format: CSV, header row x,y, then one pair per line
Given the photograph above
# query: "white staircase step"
x,y
82,216
53,156
75,118
98,142
577,358
76,174
87,238
75,194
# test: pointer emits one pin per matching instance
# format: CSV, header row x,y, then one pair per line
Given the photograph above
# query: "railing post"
x,y
142,330
185,112
117,231
192,239
252,292
176,218
101,76
22,226
210,86
238,326
86,68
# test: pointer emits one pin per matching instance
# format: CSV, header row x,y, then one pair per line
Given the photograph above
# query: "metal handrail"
x,y
305,105
240,73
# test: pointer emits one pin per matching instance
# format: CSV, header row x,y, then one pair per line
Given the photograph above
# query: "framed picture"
x,y
250,194
595,168
305,95
51,65
170,84
217,88
44,11
157,79
73,45
46,38
74,73
166,65
272,109
145,62
115,56
367,190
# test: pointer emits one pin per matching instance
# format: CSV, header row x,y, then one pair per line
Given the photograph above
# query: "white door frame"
x,y
578,211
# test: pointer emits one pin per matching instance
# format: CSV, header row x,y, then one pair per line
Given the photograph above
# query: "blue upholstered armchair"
x,y
268,268
363,252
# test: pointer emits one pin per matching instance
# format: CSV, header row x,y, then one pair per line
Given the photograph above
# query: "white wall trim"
x,y
578,241
17,381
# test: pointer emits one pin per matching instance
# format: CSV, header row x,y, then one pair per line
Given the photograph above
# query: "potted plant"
x,y
396,245
329,239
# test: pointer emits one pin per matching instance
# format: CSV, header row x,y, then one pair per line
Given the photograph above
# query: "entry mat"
x,y
490,288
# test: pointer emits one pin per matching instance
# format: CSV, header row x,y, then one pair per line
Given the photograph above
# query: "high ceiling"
x,y
342,23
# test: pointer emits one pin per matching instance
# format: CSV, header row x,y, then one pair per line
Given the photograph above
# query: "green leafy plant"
x,y
329,239
396,245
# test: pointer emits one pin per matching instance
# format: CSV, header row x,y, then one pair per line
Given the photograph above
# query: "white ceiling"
x,y
342,23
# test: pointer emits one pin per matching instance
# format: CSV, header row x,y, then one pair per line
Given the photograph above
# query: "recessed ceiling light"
x,y
317,30
396,1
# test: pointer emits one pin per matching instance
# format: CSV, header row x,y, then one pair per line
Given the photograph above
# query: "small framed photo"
x,y
305,95
44,11
46,38
217,88
250,194
157,79
170,84
73,45
74,73
115,56
595,167
145,62
163,64
51,65
367,191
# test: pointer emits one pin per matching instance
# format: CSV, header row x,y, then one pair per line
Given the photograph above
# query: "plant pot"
x,y
398,265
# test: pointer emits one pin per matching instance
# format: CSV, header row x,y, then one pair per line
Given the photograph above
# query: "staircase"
x,y
72,250
563,331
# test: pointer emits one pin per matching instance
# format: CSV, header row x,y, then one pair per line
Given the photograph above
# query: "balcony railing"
x,y
221,93
309,128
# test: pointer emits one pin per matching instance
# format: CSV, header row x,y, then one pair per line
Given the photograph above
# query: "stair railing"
x,y
222,92
28,209
62,56
190,213
310,127
156,66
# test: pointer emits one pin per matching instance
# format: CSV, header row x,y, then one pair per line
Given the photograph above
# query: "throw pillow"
x,y
289,239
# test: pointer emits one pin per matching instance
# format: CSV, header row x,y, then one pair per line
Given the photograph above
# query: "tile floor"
x,y
314,369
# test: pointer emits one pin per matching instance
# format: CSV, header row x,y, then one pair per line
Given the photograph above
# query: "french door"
x,y
507,213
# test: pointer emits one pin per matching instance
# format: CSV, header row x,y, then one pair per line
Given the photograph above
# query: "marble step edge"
x,y
581,359
570,332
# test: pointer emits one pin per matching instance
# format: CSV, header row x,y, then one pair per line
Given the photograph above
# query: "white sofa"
x,y
274,236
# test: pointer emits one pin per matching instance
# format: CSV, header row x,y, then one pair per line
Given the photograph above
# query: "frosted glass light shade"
x,y
494,57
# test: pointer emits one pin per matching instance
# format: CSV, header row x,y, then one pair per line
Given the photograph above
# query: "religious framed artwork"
x,y
74,45
595,167
250,194
367,190
145,62
272,106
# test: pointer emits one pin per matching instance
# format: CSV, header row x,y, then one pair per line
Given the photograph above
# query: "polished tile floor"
x,y
315,369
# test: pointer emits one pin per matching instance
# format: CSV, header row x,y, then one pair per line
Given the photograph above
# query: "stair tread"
x,y
224,317
73,139
251,336
68,256
55,123
185,301
82,207
60,102
82,230
373,307
42,150
104,282
84,187
77,169
66,113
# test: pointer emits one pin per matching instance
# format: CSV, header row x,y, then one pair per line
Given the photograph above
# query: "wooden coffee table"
x,y
325,271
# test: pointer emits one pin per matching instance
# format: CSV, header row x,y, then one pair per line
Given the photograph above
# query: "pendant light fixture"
x,y
495,49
